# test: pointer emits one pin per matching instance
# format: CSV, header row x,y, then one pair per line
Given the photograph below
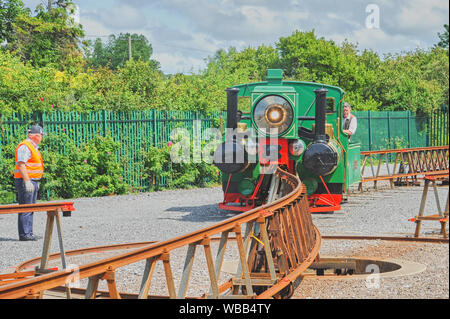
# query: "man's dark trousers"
x,y
26,219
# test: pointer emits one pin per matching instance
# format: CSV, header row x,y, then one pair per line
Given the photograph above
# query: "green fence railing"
x,y
437,130
136,131
390,129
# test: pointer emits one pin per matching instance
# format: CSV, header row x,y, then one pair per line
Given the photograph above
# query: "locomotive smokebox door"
x,y
320,159
231,157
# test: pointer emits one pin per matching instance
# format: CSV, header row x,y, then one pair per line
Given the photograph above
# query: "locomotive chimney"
x,y
232,107
320,158
321,115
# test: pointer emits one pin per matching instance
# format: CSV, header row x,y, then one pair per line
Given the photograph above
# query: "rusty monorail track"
x,y
80,293
404,166
24,266
279,243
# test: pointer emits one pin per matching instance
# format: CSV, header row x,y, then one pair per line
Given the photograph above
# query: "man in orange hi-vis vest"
x,y
27,174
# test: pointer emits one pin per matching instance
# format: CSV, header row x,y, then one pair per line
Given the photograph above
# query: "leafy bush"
x,y
157,166
7,164
90,171
69,171
7,188
162,173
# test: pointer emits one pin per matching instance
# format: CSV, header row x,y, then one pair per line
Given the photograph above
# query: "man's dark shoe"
x,y
28,238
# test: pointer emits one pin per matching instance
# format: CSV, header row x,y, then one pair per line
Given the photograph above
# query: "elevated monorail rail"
x,y
404,166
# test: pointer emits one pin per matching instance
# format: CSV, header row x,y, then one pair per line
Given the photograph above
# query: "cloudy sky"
x,y
184,33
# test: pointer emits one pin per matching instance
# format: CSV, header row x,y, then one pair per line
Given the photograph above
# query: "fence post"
x,y
36,118
104,122
409,127
43,119
370,130
433,131
154,127
446,125
389,128
441,126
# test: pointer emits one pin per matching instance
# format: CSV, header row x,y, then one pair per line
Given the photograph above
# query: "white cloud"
x,y
183,33
93,26
121,17
179,63
420,16
237,19
263,21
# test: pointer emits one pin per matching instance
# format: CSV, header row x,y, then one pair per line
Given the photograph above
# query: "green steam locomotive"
x,y
289,124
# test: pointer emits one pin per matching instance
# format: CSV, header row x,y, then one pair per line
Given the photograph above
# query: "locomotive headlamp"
x,y
273,113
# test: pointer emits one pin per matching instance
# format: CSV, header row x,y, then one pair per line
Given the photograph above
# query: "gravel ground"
x,y
164,215
383,212
117,219
433,283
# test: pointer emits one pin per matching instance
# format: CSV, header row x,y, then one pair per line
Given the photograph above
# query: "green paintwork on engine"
x,y
353,164
253,172
247,186
302,98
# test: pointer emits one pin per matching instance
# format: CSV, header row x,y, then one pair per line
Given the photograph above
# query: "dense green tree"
x,y
96,54
9,10
115,53
305,57
416,81
143,80
409,82
49,37
253,62
24,88
436,68
444,38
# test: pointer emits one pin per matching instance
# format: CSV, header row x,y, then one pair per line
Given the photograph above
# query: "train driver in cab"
x,y
349,122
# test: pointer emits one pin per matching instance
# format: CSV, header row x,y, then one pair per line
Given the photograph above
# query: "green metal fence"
x,y
136,131
390,129
437,130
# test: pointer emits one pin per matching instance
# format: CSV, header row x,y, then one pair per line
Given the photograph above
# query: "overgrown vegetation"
x,y
44,61
46,65
70,172
169,168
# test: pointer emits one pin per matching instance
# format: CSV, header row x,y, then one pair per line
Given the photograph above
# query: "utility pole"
x,y
49,5
129,47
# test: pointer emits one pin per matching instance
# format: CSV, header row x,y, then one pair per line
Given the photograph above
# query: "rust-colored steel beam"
x,y
284,230
77,252
408,164
40,207
405,150
442,215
